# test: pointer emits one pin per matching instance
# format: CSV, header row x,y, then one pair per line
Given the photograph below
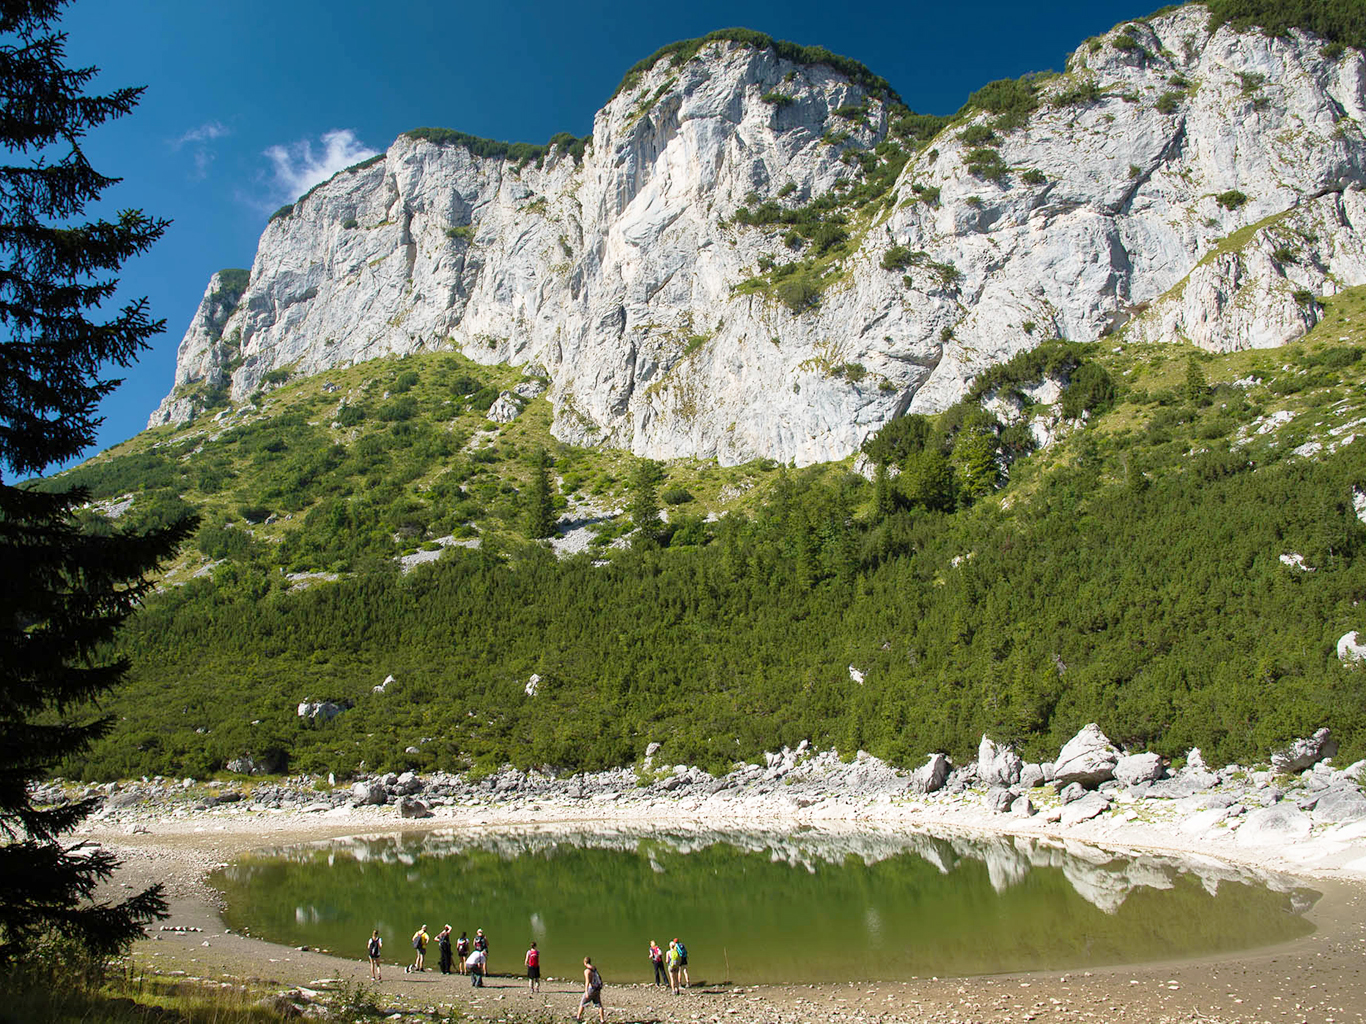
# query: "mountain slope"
x,y
761,256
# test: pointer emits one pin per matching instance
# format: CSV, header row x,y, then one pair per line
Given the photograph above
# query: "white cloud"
x,y
297,168
206,132
200,142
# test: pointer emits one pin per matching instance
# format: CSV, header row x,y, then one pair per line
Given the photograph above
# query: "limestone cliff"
x,y
1173,183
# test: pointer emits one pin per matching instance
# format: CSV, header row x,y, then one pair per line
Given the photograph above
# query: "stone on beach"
x,y
1088,758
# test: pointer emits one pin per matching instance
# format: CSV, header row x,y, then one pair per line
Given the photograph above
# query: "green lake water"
x,y
759,907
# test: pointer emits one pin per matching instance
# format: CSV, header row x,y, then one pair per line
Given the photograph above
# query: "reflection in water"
x,y
764,906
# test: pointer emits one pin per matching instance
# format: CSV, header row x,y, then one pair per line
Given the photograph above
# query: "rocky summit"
x,y
757,254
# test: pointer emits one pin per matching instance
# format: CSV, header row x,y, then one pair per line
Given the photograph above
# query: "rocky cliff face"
x,y
1172,184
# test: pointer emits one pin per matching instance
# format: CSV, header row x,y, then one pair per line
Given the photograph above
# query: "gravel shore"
x,y
1318,978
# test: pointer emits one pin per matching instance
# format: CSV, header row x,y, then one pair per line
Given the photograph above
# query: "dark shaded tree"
x,y
68,590
644,505
538,502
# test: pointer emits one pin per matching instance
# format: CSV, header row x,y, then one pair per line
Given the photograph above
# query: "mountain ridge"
x,y
757,258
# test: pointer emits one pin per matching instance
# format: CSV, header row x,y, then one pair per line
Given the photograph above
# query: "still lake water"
x,y
760,907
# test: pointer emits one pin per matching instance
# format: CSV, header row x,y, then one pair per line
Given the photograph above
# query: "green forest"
x,y
1129,574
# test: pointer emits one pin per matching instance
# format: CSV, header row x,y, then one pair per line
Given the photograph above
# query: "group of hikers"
x,y
672,966
471,957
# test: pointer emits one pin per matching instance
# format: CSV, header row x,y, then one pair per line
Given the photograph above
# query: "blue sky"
x,y
249,102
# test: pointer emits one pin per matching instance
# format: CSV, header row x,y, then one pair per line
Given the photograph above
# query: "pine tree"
x,y
644,506
67,591
539,507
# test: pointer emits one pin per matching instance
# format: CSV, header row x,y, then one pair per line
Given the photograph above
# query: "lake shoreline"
x,y
1315,978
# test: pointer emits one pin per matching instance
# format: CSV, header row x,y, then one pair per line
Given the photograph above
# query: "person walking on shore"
x,y
443,940
420,940
657,961
462,950
533,969
373,948
592,990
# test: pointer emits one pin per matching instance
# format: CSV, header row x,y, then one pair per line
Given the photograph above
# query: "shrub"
x,y
464,232
1230,200
1081,95
677,496
898,257
350,224
404,382
1303,296
1033,176
1284,254
985,163
1168,102
930,195
977,135
799,290
349,415
397,410
278,376
1013,99
282,212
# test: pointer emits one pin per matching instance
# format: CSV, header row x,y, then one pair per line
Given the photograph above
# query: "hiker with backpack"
x,y
592,990
682,961
671,959
462,950
533,969
420,940
373,948
657,962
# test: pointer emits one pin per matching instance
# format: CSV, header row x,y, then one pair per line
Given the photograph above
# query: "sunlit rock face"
x,y
1173,184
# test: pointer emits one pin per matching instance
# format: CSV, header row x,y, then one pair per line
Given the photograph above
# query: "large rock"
x,y
412,807
372,792
614,271
1340,804
1090,806
407,783
1305,753
321,710
1350,650
997,764
1088,758
1133,769
1274,826
930,776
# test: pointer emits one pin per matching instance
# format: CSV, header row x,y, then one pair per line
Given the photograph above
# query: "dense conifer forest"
x,y
1128,574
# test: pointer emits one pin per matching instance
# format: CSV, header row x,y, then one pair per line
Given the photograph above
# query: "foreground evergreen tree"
x,y
66,591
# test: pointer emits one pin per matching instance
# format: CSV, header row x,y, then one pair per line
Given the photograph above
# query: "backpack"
x,y
374,947
682,951
595,982
417,941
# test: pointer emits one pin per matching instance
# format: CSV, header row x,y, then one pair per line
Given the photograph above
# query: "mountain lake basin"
x,y
760,907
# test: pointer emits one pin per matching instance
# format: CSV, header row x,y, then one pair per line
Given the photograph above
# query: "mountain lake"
x,y
759,907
